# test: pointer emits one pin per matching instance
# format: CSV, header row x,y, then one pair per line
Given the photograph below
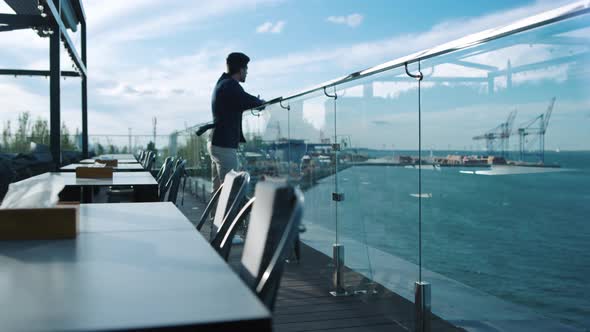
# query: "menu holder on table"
x,y
94,172
108,162
59,222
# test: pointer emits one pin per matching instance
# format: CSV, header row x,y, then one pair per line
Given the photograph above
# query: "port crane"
x,y
500,134
537,128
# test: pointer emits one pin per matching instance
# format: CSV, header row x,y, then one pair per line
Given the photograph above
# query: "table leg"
x,y
146,193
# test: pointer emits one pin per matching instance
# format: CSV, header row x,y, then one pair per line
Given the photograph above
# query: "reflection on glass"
x,y
505,222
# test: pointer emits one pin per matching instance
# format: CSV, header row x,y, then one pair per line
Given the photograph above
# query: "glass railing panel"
x,y
71,118
24,125
193,149
312,167
99,144
507,181
377,124
265,152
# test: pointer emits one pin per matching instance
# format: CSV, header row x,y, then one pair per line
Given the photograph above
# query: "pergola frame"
x,y
10,22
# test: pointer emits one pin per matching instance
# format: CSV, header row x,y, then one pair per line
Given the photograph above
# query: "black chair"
x,y
165,183
235,185
274,224
150,161
231,197
144,158
141,157
173,184
162,169
164,175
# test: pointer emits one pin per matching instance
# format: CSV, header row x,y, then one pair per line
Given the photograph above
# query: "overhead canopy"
x,y
71,10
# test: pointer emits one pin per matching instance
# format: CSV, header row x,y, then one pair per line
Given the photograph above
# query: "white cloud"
x,y
270,27
264,27
121,90
352,20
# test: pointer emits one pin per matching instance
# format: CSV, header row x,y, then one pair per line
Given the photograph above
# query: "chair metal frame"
x,y
225,244
173,184
163,177
267,282
209,208
230,213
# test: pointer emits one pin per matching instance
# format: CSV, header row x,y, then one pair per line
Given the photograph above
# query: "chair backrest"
x,y
274,223
164,188
173,183
164,176
178,161
231,197
150,161
163,169
141,156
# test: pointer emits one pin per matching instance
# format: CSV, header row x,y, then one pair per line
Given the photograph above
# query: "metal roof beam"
x,y
5,28
26,72
28,20
66,38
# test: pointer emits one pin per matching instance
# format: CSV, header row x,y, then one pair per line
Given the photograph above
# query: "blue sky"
x,y
161,58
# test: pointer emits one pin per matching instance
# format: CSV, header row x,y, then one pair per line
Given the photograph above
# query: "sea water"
x,y
522,236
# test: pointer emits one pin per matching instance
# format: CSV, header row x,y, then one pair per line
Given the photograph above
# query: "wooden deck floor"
x,y
305,304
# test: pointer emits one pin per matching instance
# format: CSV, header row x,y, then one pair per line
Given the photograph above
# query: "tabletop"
x,y
116,156
132,266
121,161
135,167
119,179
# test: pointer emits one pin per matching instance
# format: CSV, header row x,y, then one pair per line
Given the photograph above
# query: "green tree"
x,y
99,149
6,134
113,149
77,139
40,131
22,141
194,151
151,146
66,141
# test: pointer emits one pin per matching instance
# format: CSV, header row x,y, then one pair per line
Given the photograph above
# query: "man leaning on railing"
x,y
228,102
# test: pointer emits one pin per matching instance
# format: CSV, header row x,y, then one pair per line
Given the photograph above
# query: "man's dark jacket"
x,y
228,102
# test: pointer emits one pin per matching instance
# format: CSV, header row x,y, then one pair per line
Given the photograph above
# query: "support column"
x,y
84,94
54,98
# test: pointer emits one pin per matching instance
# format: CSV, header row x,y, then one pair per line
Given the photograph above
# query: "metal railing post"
x,y
337,197
422,306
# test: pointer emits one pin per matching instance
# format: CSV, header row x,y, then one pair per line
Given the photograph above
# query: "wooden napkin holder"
x,y
94,172
60,222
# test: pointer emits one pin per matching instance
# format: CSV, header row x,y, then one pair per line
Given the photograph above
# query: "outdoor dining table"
x,y
81,189
121,161
135,167
132,266
117,156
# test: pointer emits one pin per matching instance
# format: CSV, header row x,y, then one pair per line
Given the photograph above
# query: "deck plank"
x,y
304,302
